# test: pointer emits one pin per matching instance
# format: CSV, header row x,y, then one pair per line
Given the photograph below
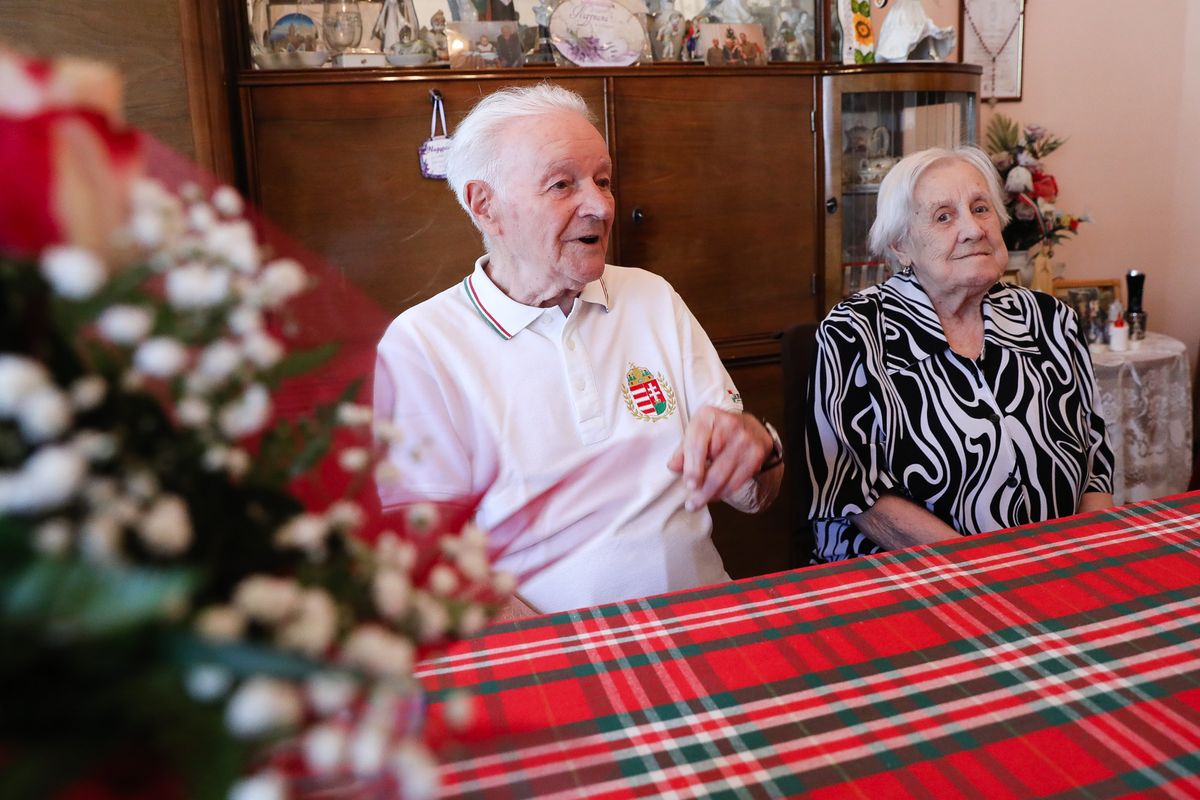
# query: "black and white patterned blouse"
x,y
985,444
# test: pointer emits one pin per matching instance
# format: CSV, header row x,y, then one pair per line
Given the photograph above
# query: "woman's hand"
x,y
894,523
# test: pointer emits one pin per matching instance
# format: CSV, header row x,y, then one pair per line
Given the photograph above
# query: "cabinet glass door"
x,y
870,132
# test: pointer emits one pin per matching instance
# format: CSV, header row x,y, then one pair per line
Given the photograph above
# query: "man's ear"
x,y
481,200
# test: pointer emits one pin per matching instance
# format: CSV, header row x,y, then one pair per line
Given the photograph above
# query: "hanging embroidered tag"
x,y
433,149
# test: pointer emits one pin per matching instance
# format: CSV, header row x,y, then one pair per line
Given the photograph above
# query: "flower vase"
x,y
1043,278
1020,261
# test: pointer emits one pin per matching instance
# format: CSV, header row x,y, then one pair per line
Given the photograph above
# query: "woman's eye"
x,y
561,185
943,217
604,183
981,209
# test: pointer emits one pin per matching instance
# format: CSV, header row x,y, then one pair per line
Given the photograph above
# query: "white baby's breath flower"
x,y
72,272
221,623
305,532
504,583
207,682
44,414
433,620
247,414
472,620
266,598
47,480
474,536
353,414
422,517
280,281
88,392
391,591
96,447
52,537
132,381
330,692
459,709
245,319
325,748
219,360
19,376
378,652
474,565
197,286
368,748
100,492
201,216
237,463
193,412
100,538
262,349
415,771
354,459
166,528
397,553
267,785
125,510
234,242
386,473
262,705
215,457
387,431
312,628
227,201
160,357
443,580
148,228
142,484
345,515
125,324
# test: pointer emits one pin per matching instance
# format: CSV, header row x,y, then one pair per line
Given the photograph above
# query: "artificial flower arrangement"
x,y
180,616
1032,192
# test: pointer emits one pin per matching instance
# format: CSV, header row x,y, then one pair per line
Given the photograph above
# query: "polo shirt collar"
x,y
506,316
912,331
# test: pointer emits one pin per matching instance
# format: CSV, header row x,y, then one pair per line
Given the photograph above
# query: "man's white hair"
x,y
474,153
894,206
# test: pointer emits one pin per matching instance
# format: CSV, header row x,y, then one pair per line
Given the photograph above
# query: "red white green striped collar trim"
x,y
506,316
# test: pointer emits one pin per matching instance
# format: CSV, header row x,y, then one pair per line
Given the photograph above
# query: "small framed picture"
x,y
733,44
1090,299
484,45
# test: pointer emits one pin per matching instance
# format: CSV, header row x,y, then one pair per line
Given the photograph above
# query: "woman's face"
x,y
954,243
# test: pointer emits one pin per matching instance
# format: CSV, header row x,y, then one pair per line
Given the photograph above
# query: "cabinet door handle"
x,y
639,216
831,205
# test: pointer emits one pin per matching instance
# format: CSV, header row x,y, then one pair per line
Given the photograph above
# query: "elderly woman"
x,y
944,402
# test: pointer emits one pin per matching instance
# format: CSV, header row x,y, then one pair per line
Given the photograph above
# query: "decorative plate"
x,y
597,33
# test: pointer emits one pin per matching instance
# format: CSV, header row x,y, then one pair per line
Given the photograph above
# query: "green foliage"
x,y
1002,135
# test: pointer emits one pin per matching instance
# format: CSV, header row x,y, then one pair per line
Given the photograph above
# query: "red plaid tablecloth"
x,y
1059,659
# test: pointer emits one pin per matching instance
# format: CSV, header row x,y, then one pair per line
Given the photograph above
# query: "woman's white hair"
x,y
894,206
474,153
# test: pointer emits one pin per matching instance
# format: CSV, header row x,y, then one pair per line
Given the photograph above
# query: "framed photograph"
x,y
733,44
484,45
1090,299
992,33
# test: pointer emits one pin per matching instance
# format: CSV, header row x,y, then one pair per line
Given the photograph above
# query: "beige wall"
x,y
1123,84
142,37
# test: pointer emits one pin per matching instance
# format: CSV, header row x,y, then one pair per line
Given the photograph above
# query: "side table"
x,y
1145,397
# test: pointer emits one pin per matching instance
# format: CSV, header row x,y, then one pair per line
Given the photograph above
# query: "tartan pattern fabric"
x,y
1054,660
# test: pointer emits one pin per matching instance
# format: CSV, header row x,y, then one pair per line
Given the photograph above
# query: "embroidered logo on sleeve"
x,y
734,397
647,396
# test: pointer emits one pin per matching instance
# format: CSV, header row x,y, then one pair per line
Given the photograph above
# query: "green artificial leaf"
x,y
300,362
869,58
1003,135
242,658
858,57
77,599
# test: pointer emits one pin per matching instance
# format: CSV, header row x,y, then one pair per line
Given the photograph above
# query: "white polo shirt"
x,y
564,426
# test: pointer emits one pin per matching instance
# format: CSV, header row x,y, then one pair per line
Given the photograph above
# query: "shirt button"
x,y
1011,482
571,344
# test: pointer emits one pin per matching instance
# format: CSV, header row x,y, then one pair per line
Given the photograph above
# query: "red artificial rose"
x,y
1074,224
65,154
1045,187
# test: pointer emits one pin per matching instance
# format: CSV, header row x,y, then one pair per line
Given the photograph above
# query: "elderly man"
x,y
580,401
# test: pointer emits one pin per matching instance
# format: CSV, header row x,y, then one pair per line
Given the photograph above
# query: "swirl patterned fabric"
x,y
1004,440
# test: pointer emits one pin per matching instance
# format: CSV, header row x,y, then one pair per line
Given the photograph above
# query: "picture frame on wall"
x,y
992,35
1090,300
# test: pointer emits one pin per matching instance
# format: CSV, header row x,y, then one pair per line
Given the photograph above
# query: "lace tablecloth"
x,y
1145,397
